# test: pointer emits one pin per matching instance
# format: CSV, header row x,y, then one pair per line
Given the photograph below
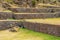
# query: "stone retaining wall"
x,y
6,15
36,16
8,24
44,28
39,27
35,10
10,15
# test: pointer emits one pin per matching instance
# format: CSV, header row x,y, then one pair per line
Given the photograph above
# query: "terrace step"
x,y
6,15
44,28
35,10
35,15
35,26
30,10
6,24
11,15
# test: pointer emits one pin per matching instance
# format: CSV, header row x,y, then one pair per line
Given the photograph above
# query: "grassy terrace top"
x,y
35,13
41,4
53,21
6,11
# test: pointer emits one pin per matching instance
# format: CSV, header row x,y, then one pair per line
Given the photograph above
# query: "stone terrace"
x,y
12,19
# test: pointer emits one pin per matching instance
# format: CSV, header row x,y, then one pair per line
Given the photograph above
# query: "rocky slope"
x,y
31,3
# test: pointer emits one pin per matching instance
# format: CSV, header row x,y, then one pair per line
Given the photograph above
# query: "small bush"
x,y
33,3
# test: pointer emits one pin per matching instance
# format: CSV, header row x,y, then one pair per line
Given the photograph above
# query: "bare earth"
x,y
24,34
54,21
6,35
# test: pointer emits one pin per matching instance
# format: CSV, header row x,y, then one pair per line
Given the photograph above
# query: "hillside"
x,y
33,3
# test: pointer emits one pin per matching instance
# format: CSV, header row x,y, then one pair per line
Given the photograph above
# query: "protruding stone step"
x,y
11,15
36,15
35,10
7,24
6,15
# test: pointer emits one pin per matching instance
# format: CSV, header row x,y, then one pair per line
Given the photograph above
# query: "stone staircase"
x,y
17,17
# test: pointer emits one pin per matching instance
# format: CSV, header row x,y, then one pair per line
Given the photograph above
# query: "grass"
x,y
6,11
24,34
54,21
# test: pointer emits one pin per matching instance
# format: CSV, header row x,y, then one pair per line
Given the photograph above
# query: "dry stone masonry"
x,y
44,28
35,10
39,27
28,9
11,15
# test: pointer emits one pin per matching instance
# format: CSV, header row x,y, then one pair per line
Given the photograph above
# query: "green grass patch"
x,y
25,34
42,36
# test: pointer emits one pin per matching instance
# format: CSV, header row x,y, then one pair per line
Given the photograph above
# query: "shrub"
x,y
33,3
